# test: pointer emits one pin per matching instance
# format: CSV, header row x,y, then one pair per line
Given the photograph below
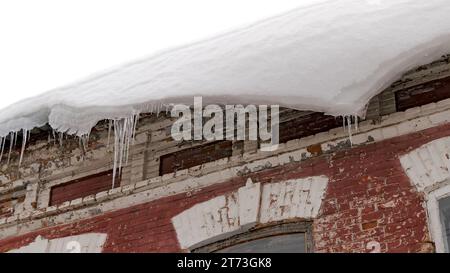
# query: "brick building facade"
x,y
378,192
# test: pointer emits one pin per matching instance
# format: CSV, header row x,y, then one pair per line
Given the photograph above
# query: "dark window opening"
x,y
280,238
444,210
191,157
82,187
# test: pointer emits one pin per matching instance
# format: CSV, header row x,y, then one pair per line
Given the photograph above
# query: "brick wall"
x,y
369,198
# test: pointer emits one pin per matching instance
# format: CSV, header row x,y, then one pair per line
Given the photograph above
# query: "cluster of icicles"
x,y
123,130
124,137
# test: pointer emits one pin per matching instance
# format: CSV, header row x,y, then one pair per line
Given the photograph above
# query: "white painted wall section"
x,y
225,215
429,164
85,243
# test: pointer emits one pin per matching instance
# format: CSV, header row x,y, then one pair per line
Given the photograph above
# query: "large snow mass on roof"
x,y
330,57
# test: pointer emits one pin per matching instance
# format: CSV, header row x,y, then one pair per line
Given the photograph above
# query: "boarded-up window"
x,y
191,157
423,94
81,187
296,124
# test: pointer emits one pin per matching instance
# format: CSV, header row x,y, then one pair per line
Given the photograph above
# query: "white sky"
x,y
45,44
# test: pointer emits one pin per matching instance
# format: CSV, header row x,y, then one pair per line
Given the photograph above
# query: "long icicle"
x,y
116,150
109,132
24,144
11,143
349,126
2,148
124,133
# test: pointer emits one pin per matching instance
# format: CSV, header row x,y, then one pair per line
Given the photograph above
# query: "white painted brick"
x,y
25,215
428,107
155,180
115,191
101,196
443,103
142,184
242,209
128,188
209,165
293,143
428,164
439,118
249,198
64,205
89,243
76,202
181,173
412,112
405,128
89,199
38,213
389,132
376,135
18,183
222,162
396,117
168,176
50,209
359,139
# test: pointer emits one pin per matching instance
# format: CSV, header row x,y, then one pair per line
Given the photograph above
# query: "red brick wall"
x,y
81,187
369,198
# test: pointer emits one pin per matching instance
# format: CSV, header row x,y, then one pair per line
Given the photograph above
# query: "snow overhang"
x,y
331,57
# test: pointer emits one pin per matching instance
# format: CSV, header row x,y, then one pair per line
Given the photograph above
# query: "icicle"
x,y
54,136
85,142
109,132
124,132
24,143
61,139
15,139
116,149
349,126
343,122
135,124
11,143
3,141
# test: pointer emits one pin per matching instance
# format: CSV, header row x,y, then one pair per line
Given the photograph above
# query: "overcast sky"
x,y
45,44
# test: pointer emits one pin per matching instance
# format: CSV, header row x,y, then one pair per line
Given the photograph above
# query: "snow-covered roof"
x,y
330,57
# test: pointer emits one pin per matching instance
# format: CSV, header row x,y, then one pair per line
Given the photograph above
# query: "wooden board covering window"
x,y
423,94
191,157
81,187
